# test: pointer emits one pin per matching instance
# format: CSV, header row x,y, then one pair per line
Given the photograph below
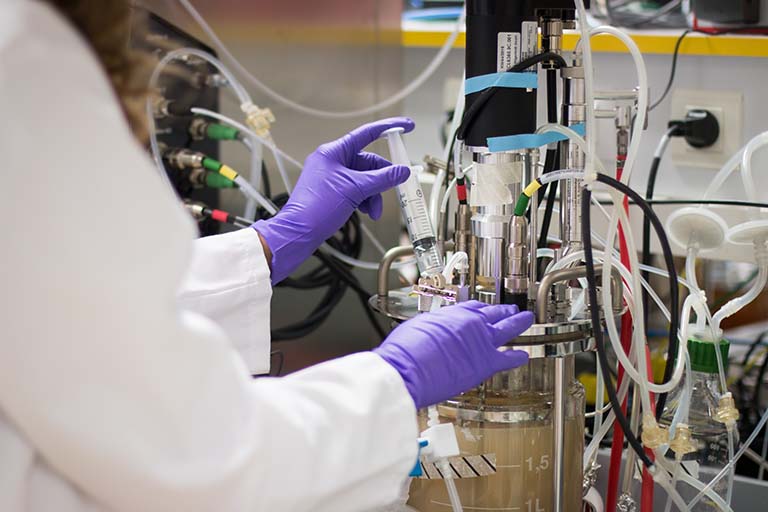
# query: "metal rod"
x,y
558,419
386,263
629,464
569,274
533,230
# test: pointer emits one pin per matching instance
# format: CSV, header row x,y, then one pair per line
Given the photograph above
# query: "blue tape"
x,y
508,80
416,471
528,141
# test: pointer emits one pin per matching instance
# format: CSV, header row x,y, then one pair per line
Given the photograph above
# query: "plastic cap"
x,y
703,356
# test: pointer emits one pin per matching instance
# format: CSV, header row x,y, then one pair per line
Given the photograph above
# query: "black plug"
x,y
699,128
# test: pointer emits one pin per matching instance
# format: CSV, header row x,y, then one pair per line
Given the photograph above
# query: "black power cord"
x,y
672,71
602,355
674,292
546,219
331,273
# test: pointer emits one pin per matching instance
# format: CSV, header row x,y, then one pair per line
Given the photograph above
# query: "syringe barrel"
x,y
413,206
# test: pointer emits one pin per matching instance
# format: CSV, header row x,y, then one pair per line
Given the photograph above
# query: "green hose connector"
x,y
211,164
216,180
217,131
522,205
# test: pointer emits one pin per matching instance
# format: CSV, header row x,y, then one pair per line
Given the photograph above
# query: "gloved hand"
x,y
337,178
444,353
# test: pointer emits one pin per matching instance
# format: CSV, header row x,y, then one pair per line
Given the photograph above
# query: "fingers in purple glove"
x,y
365,161
376,181
510,359
512,326
373,206
495,313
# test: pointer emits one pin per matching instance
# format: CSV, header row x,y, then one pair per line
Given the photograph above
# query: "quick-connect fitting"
x,y
726,411
654,435
184,158
258,119
682,444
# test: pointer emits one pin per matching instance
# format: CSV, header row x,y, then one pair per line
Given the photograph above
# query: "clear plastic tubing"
x,y
731,463
414,209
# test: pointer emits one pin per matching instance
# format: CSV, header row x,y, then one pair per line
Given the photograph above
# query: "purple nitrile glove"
x,y
337,179
454,349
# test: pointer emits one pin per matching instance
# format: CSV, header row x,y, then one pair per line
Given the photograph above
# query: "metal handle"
x,y
569,274
386,264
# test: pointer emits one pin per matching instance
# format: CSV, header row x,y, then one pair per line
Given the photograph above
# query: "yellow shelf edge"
x,y
694,44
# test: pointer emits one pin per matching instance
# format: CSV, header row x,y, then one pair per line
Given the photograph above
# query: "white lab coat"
x,y
117,391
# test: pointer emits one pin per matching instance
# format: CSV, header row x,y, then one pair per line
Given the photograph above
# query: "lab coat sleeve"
x,y
228,282
136,402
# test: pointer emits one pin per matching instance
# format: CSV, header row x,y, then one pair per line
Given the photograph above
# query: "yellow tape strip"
x,y
228,172
660,44
531,188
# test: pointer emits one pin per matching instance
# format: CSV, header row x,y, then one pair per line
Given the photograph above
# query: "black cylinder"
x,y
500,33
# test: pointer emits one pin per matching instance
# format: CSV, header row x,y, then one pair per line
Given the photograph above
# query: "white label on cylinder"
x,y
530,42
507,50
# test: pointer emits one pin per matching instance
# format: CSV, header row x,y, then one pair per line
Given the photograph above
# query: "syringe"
x,y
429,258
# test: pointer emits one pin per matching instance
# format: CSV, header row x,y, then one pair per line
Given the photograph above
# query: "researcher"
x,y
127,345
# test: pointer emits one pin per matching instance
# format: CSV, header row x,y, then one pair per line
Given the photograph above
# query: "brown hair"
x,y
106,25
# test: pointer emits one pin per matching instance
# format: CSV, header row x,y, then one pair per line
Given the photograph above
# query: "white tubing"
x,y
589,90
251,193
457,260
735,305
179,53
671,491
447,196
642,95
233,82
746,165
731,463
732,164
257,157
723,174
560,175
244,129
595,500
591,450
274,95
638,338
434,196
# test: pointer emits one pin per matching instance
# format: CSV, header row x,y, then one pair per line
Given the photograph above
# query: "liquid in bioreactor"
x,y
523,482
414,209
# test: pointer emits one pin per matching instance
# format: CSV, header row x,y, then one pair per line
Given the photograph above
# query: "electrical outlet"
x,y
727,107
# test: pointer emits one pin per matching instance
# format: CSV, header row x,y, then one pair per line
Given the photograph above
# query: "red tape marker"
x,y
461,191
220,216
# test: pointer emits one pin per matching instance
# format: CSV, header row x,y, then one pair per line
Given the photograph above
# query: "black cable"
x,y
740,385
266,187
674,292
589,262
551,161
650,188
704,202
672,71
471,113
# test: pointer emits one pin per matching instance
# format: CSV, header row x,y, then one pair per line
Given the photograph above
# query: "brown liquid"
x,y
524,481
